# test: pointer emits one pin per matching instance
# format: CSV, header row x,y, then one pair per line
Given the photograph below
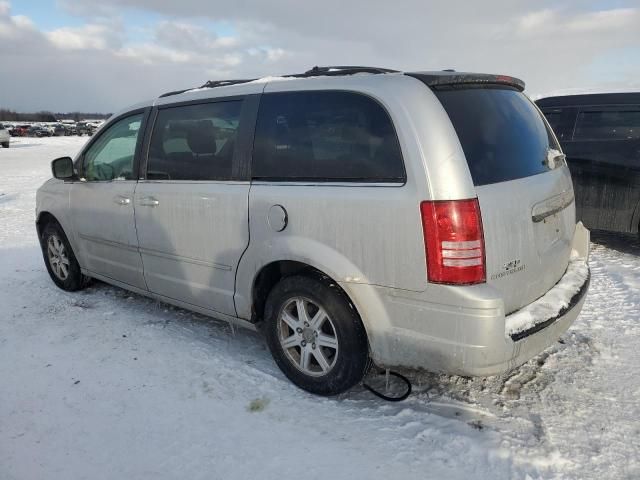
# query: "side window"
x,y
554,117
561,121
325,136
110,157
608,124
194,142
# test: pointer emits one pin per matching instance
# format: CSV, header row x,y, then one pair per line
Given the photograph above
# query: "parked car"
x,y
5,138
59,130
38,131
600,134
19,130
422,220
84,128
71,129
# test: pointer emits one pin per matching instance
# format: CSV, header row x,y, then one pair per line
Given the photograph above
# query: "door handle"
x,y
149,202
120,200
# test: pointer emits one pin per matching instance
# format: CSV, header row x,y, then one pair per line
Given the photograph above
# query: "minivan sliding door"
x,y
192,207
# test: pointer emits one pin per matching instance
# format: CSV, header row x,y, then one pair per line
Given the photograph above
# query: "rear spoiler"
x,y
449,79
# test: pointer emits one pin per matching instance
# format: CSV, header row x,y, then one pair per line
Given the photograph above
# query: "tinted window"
x,y
111,156
502,134
608,125
554,119
194,142
325,136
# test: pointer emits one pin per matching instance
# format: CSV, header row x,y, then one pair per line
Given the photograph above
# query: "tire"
x,y
5,144
339,356
60,260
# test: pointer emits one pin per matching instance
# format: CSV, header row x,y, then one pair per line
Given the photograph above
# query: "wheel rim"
x,y
58,259
308,336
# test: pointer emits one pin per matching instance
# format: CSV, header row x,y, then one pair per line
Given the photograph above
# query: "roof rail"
x,y
224,83
341,70
316,71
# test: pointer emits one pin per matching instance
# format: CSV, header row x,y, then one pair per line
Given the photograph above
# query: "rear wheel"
x,y
315,336
60,260
5,144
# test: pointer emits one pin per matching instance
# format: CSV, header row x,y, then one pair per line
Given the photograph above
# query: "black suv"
x,y
600,134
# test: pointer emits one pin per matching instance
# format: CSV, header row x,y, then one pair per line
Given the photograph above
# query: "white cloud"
x,y
550,45
97,37
5,8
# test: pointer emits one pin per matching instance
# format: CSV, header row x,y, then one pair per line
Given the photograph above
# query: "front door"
x,y
192,208
102,203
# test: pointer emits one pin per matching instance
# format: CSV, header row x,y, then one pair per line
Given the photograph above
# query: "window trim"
x,y
244,141
79,162
330,181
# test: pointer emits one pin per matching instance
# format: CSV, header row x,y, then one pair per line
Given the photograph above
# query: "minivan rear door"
x,y
523,186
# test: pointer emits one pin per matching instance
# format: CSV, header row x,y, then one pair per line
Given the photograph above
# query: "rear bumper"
x,y
470,336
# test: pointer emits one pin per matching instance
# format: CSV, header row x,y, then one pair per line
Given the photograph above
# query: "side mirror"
x,y
62,168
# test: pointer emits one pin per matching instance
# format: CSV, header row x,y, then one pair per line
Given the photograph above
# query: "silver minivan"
x,y
355,215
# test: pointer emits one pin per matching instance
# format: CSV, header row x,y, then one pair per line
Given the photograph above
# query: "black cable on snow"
x,y
386,397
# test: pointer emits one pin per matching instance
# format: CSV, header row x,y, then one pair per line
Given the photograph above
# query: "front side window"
x,y
608,125
111,156
194,142
325,136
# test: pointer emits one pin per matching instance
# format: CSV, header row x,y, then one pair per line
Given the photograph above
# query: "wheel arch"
x,y
271,273
43,219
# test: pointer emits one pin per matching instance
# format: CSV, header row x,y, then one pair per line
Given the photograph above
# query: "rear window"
x,y
502,133
608,125
325,136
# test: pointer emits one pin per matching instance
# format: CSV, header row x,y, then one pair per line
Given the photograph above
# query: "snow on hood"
x,y
550,304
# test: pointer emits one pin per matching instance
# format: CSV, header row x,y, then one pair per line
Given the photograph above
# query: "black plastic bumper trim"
x,y
542,325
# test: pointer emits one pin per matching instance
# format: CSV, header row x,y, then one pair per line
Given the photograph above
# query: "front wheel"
x,y
5,144
60,260
315,335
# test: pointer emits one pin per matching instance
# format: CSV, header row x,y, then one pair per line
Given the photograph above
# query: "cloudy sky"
x,y
97,55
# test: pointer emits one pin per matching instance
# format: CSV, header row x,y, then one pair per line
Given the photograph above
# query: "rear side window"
x,y
194,142
608,125
502,133
325,136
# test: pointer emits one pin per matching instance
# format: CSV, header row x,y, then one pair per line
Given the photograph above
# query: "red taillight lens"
x,y
453,241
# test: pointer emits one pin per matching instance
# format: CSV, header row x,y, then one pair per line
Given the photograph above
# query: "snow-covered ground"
x,y
104,384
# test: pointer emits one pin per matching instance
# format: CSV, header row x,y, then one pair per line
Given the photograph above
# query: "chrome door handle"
x,y
149,202
120,200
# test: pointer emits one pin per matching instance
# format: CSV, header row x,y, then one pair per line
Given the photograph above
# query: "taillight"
x,y
453,241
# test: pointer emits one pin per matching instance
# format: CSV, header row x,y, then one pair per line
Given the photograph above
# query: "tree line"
x,y
12,116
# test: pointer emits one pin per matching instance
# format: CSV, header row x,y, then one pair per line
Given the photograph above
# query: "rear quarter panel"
x,y
359,233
